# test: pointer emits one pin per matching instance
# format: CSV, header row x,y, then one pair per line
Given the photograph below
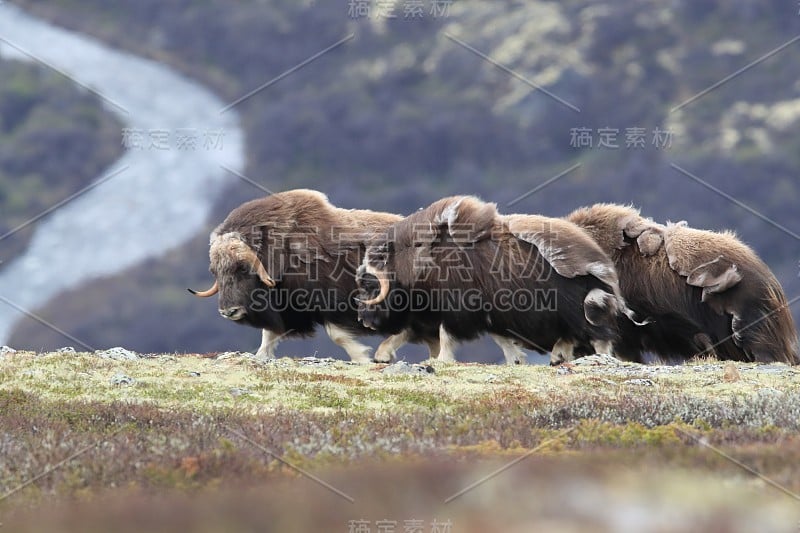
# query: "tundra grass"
x,y
192,424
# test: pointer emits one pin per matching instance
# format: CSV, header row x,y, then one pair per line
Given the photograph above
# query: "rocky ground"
x,y
321,444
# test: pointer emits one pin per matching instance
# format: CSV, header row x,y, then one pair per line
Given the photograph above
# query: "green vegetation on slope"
x,y
54,139
402,115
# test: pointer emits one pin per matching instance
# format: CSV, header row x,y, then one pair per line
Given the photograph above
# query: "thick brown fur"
x,y
305,244
461,245
706,293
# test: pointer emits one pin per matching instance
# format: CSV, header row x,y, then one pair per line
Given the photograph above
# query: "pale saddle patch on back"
x,y
693,257
649,235
715,276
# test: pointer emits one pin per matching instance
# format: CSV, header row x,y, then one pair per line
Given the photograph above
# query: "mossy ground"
x,y
649,438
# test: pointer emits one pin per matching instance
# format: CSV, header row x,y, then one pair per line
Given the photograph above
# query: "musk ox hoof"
x,y
264,355
384,356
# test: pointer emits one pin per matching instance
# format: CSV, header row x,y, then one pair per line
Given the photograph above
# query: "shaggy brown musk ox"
x,y
705,293
286,263
538,282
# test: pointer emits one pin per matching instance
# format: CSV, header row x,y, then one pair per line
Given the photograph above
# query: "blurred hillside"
x,y
406,113
54,138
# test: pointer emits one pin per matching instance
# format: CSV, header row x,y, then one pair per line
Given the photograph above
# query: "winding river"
x,y
155,197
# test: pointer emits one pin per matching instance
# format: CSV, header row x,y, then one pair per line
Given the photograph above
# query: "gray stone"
x,y
322,361
231,355
6,350
640,382
600,359
122,380
117,354
401,368
769,369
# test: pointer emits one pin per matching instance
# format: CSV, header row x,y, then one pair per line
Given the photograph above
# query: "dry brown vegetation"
x,y
217,444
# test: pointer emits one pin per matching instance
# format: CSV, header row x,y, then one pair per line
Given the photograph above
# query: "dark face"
x,y
381,257
242,295
368,287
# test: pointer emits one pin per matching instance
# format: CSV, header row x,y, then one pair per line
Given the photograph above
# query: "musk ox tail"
x,y
769,333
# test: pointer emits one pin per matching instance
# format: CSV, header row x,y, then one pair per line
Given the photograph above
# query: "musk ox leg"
x,y
562,352
386,352
513,353
269,340
358,352
447,346
705,347
604,347
434,347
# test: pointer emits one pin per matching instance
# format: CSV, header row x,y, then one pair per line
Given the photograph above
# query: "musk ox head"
x,y
418,254
240,276
375,282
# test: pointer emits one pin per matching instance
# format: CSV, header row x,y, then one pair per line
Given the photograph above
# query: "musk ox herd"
x,y
603,279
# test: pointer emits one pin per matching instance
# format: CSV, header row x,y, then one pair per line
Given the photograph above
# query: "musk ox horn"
x,y
232,246
250,256
369,269
205,294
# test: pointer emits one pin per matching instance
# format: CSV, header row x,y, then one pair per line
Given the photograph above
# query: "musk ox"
x,y
286,263
527,280
704,292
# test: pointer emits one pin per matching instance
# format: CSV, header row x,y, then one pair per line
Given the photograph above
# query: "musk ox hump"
x,y
467,219
610,224
568,249
696,255
648,234
649,242
571,251
715,276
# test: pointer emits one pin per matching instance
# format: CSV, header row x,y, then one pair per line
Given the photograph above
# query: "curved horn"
x,y
205,294
369,269
263,275
250,255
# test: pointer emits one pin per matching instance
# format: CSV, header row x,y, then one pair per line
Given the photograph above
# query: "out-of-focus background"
x,y
687,109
